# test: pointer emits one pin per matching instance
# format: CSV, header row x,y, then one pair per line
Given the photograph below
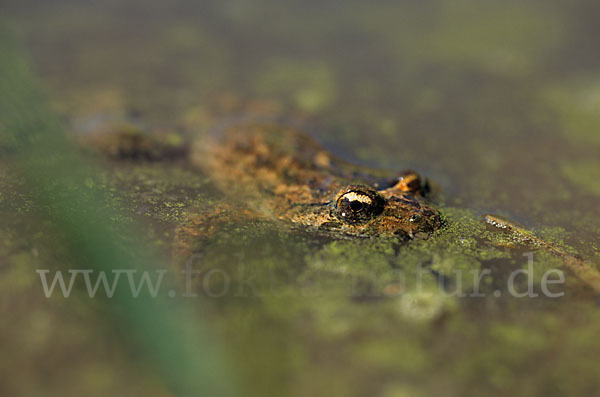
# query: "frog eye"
x,y
358,205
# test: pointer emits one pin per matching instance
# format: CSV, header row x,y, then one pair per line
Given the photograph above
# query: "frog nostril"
x,y
414,218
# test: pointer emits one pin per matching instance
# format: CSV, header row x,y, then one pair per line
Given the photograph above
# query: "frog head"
x,y
360,210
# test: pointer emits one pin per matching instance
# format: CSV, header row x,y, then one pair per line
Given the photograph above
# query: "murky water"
x,y
497,102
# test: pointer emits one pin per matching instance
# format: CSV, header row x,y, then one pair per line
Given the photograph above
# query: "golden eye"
x,y
357,205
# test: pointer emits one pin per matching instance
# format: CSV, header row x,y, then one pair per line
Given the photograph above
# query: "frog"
x,y
286,176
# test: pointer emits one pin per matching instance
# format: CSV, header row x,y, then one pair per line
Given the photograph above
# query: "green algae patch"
x,y
525,344
510,39
165,194
312,84
576,103
585,174
456,247
511,43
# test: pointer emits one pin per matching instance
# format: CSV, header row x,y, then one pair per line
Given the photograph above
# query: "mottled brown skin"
x,y
284,175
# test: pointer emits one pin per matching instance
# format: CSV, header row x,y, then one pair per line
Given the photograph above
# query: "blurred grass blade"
x,y
179,345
